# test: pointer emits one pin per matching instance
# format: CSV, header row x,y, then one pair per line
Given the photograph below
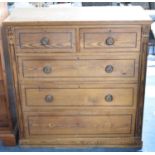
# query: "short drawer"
x,y
116,68
124,39
77,125
45,40
78,95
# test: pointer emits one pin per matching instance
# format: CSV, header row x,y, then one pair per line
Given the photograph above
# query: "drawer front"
x,y
45,40
84,68
38,125
55,97
110,39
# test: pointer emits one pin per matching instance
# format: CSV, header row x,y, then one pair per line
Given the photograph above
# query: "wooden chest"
x,y
7,134
79,75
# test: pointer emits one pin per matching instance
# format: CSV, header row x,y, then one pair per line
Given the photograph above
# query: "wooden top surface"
x,y
78,14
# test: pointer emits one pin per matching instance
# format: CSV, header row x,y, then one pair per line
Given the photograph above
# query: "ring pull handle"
x,y
44,41
109,98
47,69
49,98
109,68
110,41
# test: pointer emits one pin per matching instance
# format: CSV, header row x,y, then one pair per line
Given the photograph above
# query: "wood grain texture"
x,y
71,95
142,79
122,68
35,96
79,68
79,125
8,138
71,124
80,97
62,94
58,40
124,39
121,142
4,118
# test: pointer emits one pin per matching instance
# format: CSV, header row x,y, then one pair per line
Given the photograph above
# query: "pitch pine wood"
x,y
61,83
83,95
79,97
86,67
78,68
125,39
59,40
77,125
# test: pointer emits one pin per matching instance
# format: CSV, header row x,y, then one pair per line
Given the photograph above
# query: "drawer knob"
x,y
49,98
109,68
44,41
47,69
109,98
110,41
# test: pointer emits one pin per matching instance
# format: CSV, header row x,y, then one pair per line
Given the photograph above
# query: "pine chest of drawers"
x,y
79,75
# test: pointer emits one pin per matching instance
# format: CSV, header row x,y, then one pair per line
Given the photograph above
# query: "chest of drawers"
x,y
79,75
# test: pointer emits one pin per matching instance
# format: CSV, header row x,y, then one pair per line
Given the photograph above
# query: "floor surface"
x,y
148,124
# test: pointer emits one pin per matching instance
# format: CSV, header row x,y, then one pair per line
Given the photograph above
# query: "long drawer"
x,y
46,124
100,67
66,95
